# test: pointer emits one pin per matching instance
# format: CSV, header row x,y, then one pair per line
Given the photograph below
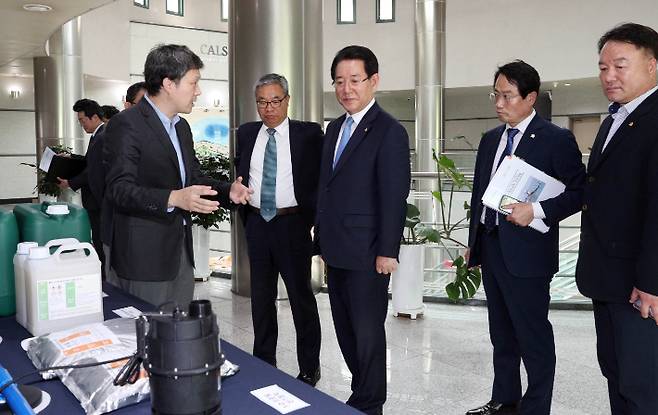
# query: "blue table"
x,y
236,399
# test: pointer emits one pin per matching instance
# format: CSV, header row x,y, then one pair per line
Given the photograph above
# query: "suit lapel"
x,y
185,137
245,158
595,152
625,129
489,155
153,121
296,149
357,137
531,133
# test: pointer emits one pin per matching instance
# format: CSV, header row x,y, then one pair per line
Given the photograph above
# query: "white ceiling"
x,y
25,33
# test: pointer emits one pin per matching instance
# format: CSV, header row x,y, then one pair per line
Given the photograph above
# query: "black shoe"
x,y
310,378
493,407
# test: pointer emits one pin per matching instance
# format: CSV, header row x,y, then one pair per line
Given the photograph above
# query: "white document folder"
x,y
517,181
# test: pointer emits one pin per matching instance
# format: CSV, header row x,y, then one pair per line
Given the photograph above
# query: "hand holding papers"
x,y
65,167
516,181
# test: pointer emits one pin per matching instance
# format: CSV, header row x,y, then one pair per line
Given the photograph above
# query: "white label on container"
x,y
69,297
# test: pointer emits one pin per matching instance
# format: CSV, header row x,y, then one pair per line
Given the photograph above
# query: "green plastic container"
x,y
43,222
8,242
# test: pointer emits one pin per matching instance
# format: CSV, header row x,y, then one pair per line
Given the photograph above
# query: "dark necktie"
x,y
490,214
268,184
614,107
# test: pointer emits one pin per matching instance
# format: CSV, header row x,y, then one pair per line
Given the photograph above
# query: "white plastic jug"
x,y
63,290
22,251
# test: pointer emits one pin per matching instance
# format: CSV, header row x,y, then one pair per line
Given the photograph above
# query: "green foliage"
x,y
450,179
44,186
215,165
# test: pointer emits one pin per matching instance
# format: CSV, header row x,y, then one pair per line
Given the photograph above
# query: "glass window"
x,y
141,3
224,10
175,7
385,11
346,11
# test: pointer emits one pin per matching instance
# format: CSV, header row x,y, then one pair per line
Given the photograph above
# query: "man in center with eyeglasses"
x,y
517,261
279,159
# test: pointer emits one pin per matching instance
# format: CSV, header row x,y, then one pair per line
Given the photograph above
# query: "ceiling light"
x,y
567,84
34,7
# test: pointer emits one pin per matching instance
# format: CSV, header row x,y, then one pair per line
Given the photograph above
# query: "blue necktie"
x,y
344,138
268,184
614,107
490,214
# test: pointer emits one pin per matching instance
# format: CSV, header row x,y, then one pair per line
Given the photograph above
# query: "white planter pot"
x,y
201,246
407,282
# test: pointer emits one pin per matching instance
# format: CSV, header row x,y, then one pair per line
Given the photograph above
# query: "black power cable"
x,y
48,369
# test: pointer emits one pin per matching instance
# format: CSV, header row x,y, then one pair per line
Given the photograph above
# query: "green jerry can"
x,y
8,242
43,222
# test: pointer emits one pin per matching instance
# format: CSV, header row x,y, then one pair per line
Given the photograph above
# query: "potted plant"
x,y
416,234
48,190
216,165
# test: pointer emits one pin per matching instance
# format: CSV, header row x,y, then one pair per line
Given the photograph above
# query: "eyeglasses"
x,y
275,103
353,82
494,96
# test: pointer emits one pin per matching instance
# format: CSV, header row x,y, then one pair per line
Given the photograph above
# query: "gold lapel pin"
x,y
365,130
630,124
532,136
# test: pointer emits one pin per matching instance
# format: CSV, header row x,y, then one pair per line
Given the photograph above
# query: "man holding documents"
x,y
518,261
618,264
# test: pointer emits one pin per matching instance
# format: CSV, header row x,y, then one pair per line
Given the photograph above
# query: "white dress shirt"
x,y
357,117
623,113
538,212
285,188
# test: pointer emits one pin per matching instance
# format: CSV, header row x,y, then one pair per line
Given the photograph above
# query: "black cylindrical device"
x,y
183,360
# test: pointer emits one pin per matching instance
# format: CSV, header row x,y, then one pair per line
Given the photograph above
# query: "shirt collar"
x,y
358,116
523,125
632,105
282,128
163,118
96,130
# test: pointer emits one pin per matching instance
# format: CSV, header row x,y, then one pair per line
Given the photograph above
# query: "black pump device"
x,y
181,354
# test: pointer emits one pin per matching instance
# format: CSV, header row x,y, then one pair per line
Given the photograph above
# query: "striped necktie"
x,y
268,184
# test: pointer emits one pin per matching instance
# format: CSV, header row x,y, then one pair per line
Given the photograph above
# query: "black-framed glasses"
x,y
340,83
495,96
275,103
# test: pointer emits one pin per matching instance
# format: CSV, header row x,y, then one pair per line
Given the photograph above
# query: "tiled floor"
x,y
439,364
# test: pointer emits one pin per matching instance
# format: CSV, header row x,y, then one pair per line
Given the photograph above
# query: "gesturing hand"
x,y
240,194
189,198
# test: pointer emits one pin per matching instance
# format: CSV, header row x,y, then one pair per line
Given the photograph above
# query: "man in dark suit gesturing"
x,y
279,159
154,182
364,183
517,261
619,227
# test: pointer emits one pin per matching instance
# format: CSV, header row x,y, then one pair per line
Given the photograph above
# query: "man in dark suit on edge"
x,y
154,182
517,261
90,116
364,183
617,263
279,159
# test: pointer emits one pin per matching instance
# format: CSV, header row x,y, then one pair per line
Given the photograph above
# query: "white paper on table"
x,y
279,399
127,312
517,181
46,159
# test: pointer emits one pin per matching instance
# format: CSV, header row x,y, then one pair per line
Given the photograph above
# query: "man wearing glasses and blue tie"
x,y
364,183
279,159
517,261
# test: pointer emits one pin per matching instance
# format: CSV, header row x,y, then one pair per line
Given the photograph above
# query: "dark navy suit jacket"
x,y
86,181
305,149
553,150
619,226
362,202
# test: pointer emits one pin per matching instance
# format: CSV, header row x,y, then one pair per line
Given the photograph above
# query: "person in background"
x,y
109,111
134,94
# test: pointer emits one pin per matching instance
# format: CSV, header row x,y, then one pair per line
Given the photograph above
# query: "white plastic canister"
x,y
22,251
63,290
